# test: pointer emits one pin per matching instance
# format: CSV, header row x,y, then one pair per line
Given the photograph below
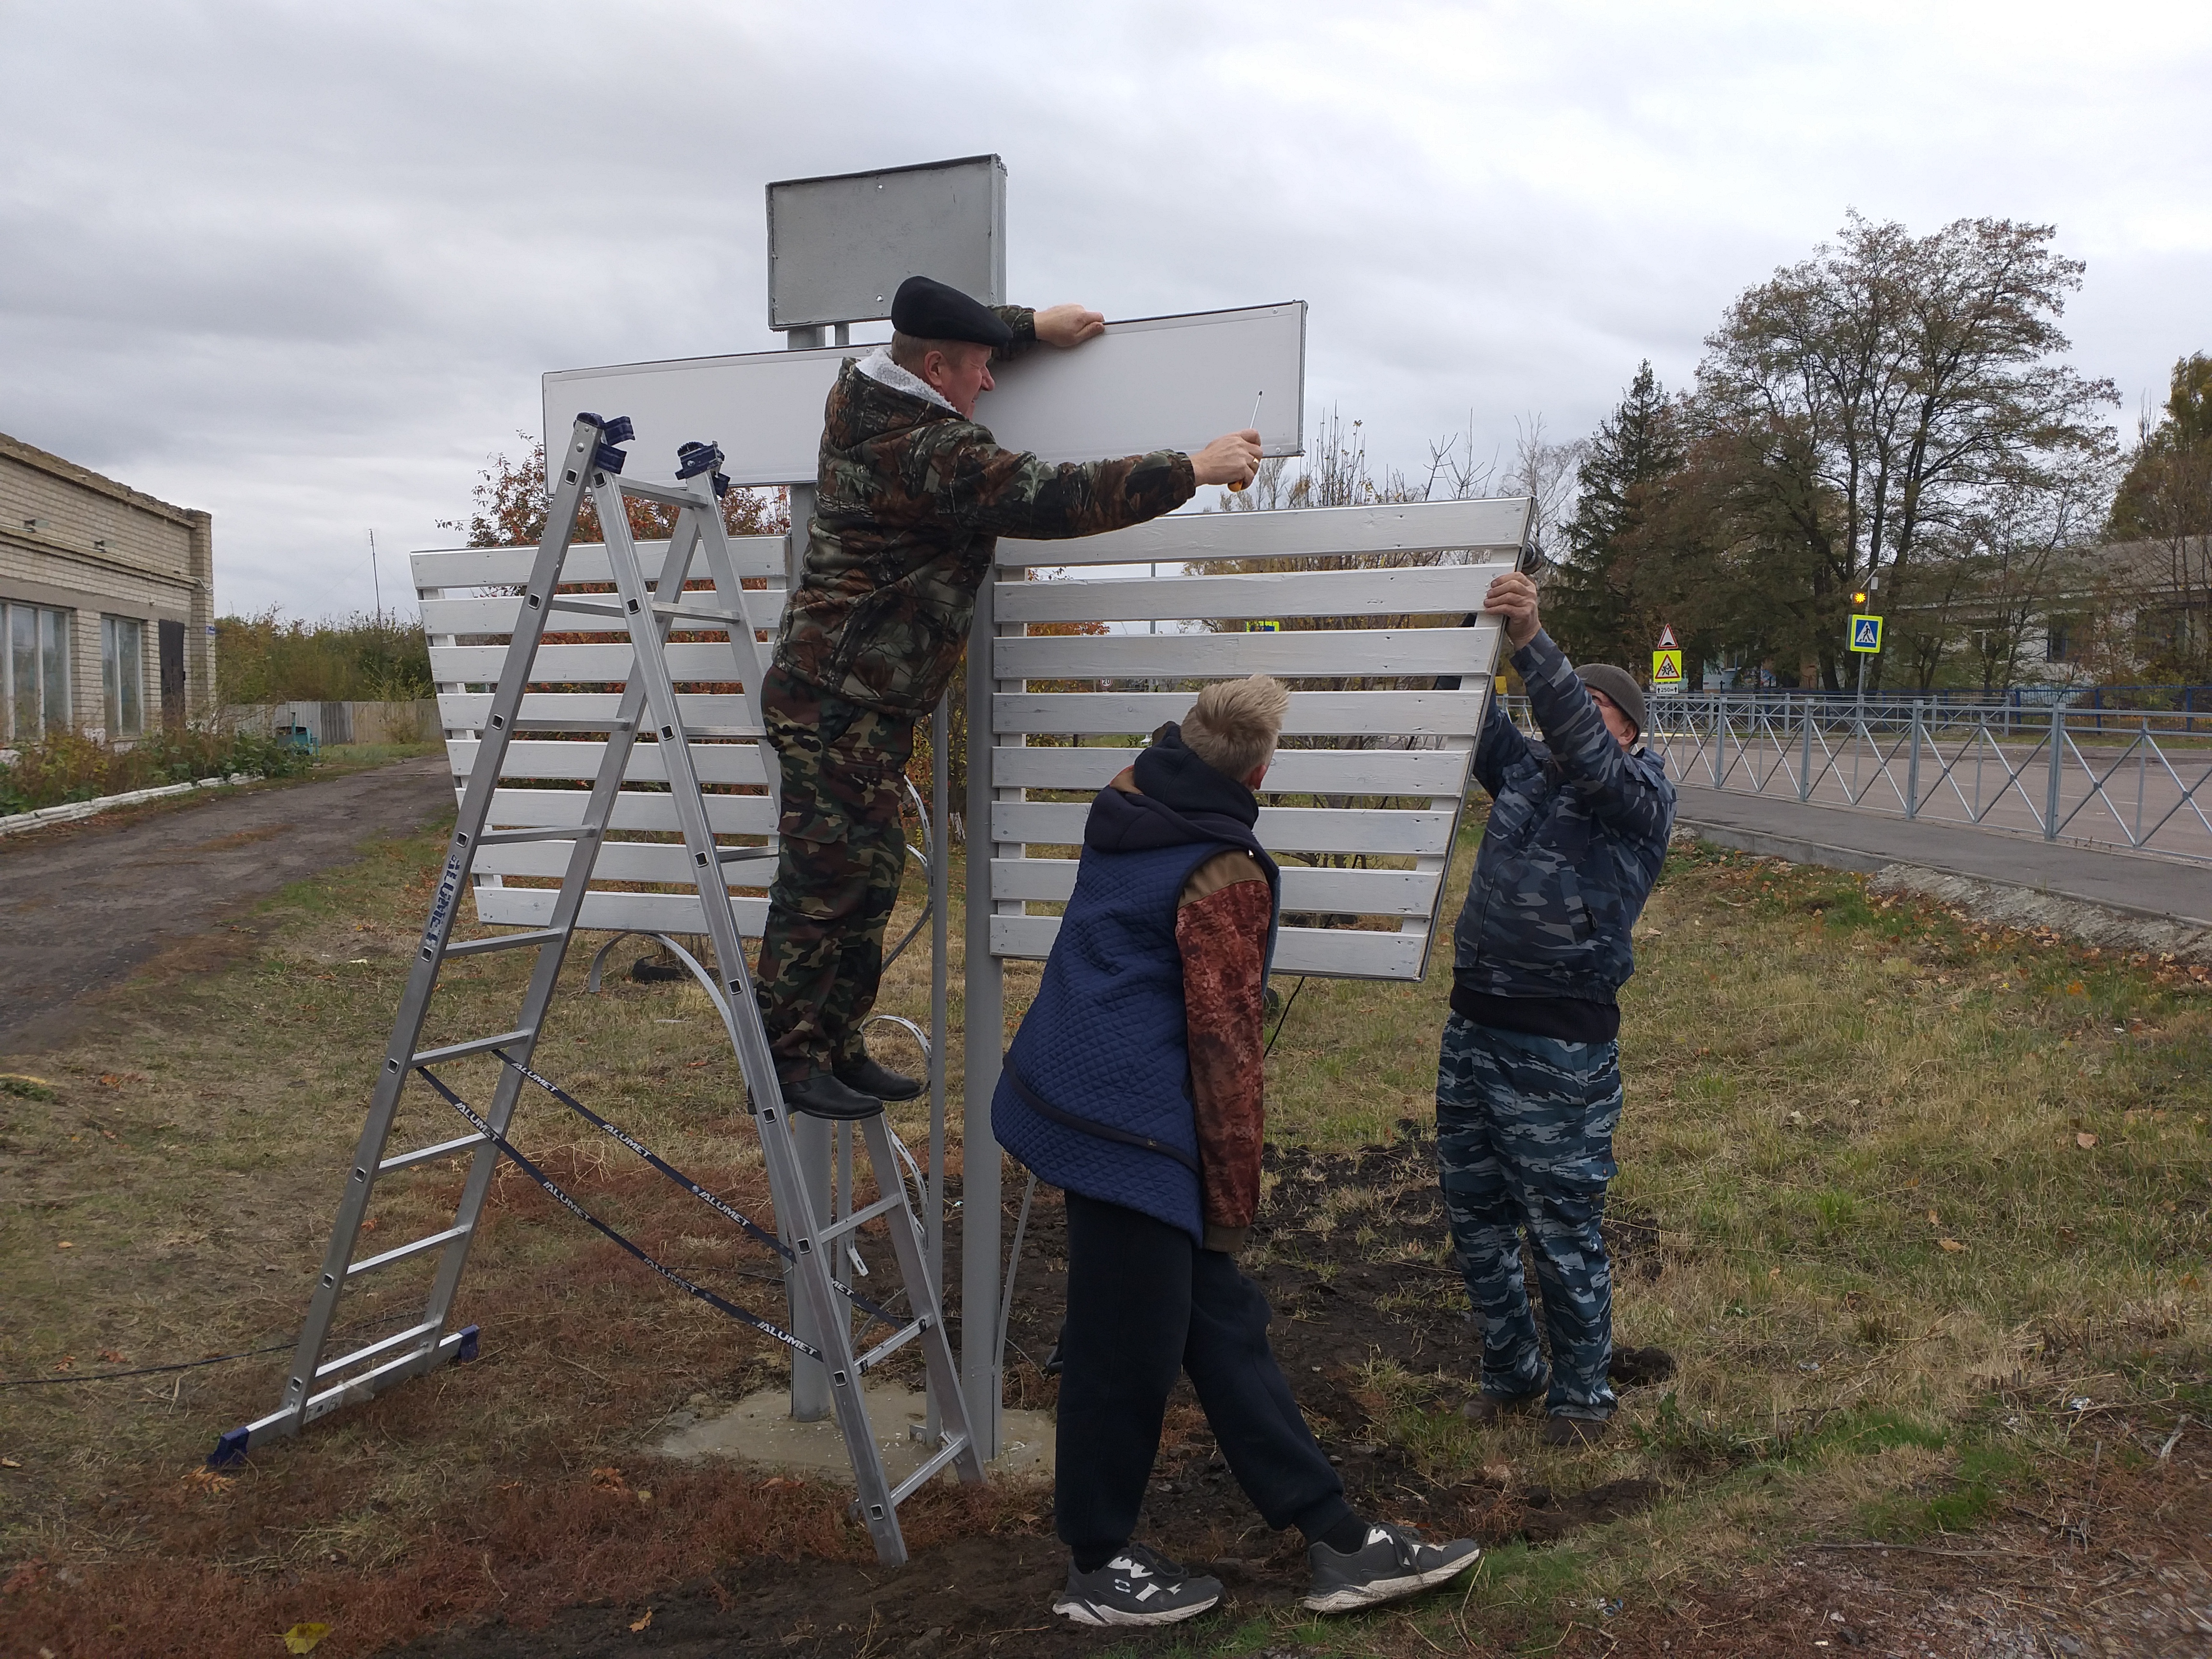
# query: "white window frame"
x,y
49,662
123,675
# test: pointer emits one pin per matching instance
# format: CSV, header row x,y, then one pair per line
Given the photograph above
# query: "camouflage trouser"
x,y
1525,1131
837,876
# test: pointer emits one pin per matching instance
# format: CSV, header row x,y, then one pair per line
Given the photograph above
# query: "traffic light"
x,y
1859,599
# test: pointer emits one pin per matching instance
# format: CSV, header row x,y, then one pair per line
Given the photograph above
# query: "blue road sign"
x,y
1866,634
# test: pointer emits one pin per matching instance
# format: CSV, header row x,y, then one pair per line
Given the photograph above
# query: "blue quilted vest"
x,y
1095,1094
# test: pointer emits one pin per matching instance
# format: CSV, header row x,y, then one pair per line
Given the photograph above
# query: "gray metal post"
x,y
985,1022
1912,766
1805,748
2057,770
809,1382
940,962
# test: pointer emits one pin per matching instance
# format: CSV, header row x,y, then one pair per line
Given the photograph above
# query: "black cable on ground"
x,y
190,1364
1283,1018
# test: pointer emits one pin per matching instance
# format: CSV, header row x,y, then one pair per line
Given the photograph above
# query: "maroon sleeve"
x,y
1224,941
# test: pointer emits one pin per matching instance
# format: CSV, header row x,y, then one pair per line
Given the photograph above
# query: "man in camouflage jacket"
x,y
1528,1081
911,496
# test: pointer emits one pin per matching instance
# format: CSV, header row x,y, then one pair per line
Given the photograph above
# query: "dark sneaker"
x,y
1393,1563
1137,1587
823,1096
1575,1431
868,1077
1489,1410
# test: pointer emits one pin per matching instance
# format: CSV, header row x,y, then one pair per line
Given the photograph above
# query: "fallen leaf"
x,y
10,1463
63,1245
209,1481
2085,1140
611,1478
693,1065
642,1619
1932,1220
1950,1245
113,1358
301,1638
1774,1272
644,1497
67,1362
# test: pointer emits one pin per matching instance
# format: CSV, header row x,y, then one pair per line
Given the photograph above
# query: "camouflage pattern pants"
x,y
842,855
1524,1133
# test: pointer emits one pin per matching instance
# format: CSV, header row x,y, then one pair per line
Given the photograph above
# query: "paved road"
x,y
81,906
1816,833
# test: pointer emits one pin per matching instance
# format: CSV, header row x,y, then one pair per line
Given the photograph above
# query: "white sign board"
x,y
838,247
1151,383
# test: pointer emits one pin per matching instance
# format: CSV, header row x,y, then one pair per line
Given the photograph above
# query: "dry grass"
x,y
1822,1091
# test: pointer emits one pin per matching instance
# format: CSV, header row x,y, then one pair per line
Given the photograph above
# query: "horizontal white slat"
x,y
1356,892
1285,829
634,809
618,860
1312,714
579,759
1451,590
1344,952
1295,771
1361,651
1291,532
468,711
479,664
587,562
656,913
498,613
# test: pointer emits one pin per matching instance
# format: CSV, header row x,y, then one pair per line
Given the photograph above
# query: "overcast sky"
x,y
302,265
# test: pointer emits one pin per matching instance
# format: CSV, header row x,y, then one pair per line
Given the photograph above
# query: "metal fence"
x,y
2096,777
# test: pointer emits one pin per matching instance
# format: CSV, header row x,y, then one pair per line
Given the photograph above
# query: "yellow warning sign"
x,y
1666,668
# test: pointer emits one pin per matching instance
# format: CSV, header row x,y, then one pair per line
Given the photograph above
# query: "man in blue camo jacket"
x,y
1528,1081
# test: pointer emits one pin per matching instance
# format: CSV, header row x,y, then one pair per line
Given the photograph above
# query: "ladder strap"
x,y
697,1190
798,1345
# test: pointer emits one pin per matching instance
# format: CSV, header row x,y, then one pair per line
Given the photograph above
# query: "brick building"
x,y
106,602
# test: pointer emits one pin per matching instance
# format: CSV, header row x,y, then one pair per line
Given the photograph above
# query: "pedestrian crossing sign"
x,y
1866,635
1267,625
1667,667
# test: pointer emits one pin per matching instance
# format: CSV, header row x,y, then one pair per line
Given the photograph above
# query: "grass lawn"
x,y
1929,1205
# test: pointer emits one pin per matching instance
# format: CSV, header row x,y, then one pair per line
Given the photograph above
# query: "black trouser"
x,y
1144,1302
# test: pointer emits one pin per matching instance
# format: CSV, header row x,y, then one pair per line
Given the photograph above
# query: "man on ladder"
x,y
911,497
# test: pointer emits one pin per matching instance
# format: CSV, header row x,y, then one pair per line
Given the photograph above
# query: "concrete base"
x,y
759,1429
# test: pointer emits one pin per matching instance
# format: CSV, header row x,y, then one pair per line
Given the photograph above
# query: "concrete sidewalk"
x,y
2159,890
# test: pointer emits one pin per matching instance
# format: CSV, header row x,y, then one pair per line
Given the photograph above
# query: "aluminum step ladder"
x,y
590,469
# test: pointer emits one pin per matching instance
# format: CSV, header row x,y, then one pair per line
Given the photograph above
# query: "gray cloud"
x,y
304,264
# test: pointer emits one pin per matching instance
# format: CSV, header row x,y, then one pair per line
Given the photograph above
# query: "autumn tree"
x,y
1855,413
2165,501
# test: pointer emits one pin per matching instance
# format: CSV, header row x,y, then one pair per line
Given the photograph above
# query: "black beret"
x,y
928,310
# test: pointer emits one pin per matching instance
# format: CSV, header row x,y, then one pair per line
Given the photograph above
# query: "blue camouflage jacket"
x,y
1578,831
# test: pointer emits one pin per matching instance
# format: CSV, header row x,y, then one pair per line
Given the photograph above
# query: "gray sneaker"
x,y
1138,1586
1393,1563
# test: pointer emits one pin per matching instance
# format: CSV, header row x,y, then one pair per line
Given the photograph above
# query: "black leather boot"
x,y
865,1075
824,1096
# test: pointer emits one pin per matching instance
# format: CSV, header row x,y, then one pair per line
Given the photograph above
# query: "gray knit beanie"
x,y
1619,685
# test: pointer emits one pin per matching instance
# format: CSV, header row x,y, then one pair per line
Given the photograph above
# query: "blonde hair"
x,y
1234,724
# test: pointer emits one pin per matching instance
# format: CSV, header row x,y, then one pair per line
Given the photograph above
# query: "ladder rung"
x,y
406,1252
685,613
429,1154
639,489
452,1345
890,1345
739,855
471,947
724,731
589,607
564,832
411,1333
455,1050
935,1466
882,1206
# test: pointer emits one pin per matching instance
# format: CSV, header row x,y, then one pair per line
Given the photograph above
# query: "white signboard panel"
x,y
838,248
1151,383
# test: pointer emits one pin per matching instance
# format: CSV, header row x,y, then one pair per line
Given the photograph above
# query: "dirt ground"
x,y
83,904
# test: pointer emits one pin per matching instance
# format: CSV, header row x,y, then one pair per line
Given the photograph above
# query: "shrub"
x,y
68,766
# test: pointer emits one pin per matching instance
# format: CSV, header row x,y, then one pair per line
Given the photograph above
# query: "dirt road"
x,y
80,906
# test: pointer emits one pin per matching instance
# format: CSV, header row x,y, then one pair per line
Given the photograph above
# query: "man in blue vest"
x,y
1529,1080
1136,1085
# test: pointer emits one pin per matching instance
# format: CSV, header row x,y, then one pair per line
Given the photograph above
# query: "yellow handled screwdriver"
x,y
1238,484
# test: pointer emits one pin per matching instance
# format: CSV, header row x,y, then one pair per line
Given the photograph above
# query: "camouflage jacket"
x,y
1578,831
910,503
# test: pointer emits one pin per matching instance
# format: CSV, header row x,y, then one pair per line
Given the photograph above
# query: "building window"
x,y
2054,648
35,675
122,674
